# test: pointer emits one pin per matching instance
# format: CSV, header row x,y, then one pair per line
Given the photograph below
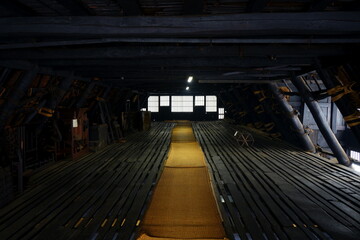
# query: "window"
x,y
355,155
221,113
153,104
164,101
182,103
199,101
211,104
75,123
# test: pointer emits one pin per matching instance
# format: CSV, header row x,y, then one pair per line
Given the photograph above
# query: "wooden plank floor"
x,y
101,196
274,191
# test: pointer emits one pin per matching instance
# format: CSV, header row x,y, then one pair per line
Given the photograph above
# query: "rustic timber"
x,y
322,23
323,125
178,51
296,125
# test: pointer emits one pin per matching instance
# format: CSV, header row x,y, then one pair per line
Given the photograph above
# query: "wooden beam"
x,y
173,74
181,62
321,121
225,81
275,51
256,5
310,40
319,5
193,7
255,24
130,7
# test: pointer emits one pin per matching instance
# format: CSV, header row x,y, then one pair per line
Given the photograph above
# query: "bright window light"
x,y
355,155
199,101
221,113
211,104
153,104
182,104
164,101
190,79
75,123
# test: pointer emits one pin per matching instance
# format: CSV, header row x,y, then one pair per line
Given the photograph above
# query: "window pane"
x,y
164,101
355,155
211,104
153,104
199,101
182,103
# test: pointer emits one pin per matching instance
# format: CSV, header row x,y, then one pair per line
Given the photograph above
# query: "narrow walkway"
x,y
183,204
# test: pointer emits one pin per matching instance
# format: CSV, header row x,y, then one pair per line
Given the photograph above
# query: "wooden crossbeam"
x,y
179,51
255,24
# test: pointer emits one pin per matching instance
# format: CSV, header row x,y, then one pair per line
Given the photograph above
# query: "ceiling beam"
x,y
179,51
224,81
256,5
262,40
236,62
254,24
174,74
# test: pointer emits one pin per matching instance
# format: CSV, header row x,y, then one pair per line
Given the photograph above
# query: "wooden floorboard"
x,y
100,196
270,191
273,190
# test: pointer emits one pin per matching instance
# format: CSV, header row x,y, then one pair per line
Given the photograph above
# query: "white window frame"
x,y
182,103
153,104
211,103
199,101
164,101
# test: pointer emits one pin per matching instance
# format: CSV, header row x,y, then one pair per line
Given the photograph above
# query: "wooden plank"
x,y
291,177
324,23
98,185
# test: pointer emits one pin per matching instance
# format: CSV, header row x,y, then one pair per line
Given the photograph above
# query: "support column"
x,y
295,122
320,120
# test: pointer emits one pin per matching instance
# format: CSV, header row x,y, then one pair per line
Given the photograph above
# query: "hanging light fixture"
x,y
190,79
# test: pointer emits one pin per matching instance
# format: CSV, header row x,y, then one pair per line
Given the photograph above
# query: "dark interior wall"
x,y
199,114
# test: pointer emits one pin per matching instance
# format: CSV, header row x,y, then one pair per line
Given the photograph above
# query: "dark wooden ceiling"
x,y
154,45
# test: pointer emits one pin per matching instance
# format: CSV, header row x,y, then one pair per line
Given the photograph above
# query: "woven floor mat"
x,y
185,155
183,205
146,237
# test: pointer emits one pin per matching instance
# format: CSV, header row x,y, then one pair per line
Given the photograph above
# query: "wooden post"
x,y
320,120
288,111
